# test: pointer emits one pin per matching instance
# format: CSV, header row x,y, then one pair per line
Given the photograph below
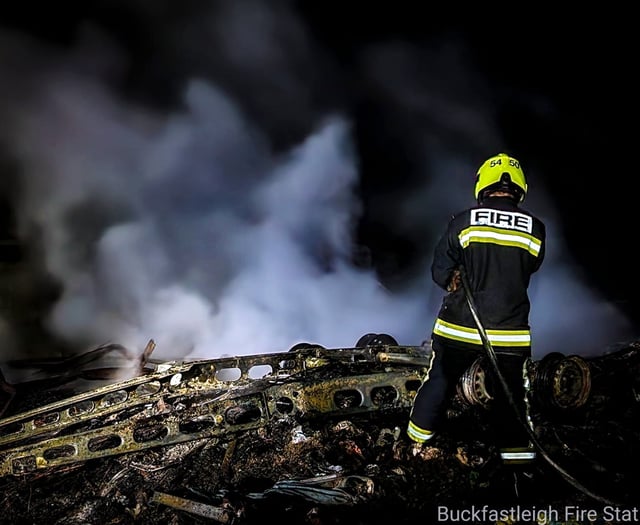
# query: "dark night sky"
x,y
425,92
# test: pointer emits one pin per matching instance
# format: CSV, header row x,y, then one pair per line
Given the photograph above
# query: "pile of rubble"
x,y
325,459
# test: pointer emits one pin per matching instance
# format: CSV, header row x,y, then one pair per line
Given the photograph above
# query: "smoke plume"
x,y
187,225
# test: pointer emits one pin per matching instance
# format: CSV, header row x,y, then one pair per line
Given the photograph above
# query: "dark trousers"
x,y
450,362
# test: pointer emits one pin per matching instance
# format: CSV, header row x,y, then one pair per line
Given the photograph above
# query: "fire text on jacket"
x,y
502,219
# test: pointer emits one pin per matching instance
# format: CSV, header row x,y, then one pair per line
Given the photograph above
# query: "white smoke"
x,y
185,226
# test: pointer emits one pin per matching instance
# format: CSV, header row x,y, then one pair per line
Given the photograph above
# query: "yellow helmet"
x,y
501,172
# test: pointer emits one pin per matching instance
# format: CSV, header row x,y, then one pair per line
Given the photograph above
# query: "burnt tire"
x,y
472,387
376,340
562,382
303,346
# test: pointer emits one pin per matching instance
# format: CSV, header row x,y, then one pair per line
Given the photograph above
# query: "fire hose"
x,y
494,363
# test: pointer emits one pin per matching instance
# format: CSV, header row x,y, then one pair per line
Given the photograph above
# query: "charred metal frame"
x,y
175,402
216,399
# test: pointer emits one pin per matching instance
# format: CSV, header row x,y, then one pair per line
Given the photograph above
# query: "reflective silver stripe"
x,y
517,455
471,335
418,434
496,236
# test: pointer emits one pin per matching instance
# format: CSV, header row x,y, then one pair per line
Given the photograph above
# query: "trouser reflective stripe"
x,y
517,455
418,434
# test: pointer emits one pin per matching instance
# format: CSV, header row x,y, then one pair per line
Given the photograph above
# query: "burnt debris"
x,y
311,435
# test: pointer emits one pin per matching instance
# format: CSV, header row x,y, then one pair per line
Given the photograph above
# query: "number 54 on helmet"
x,y
501,172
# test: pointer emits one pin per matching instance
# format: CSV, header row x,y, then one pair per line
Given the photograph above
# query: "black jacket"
x,y
500,245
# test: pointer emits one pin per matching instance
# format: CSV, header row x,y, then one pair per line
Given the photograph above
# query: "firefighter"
x,y
499,245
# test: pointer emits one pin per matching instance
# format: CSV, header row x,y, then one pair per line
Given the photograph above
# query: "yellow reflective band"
x,y
471,335
490,235
418,434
